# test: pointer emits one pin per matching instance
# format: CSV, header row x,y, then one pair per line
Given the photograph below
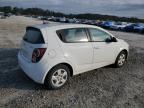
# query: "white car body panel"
x,y
81,57
80,54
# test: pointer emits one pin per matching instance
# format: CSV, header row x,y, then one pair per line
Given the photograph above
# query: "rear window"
x,y
33,35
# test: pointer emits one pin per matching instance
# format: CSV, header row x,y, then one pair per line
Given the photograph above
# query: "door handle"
x,y
96,48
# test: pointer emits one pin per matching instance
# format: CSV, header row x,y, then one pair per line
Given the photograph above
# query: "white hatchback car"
x,y
50,54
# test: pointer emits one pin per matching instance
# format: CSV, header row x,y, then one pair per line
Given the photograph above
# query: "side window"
x,y
73,35
98,35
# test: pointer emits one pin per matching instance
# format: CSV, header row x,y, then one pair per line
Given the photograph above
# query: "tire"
x,y
57,77
121,59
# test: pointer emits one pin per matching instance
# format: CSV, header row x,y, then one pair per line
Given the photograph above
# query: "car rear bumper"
x,y
35,71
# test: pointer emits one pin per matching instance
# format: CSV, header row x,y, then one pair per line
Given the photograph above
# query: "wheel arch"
x,y
64,63
126,51
121,49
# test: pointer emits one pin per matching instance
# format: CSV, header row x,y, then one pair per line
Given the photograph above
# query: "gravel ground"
x,y
107,87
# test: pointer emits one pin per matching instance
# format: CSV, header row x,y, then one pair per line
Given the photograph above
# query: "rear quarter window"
x,y
33,35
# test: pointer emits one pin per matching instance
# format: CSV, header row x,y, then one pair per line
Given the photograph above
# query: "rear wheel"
x,y
121,59
57,77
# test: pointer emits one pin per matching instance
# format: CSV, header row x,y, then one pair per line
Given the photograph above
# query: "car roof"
x,y
58,26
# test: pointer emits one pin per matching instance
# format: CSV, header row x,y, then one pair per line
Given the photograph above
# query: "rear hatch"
x,y
32,39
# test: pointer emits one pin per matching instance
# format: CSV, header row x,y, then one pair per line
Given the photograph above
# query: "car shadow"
x,y
11,75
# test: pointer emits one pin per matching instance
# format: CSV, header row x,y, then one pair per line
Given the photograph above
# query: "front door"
x,y
104,52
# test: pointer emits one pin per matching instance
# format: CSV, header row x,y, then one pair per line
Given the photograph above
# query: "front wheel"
x,y
57,77
121,59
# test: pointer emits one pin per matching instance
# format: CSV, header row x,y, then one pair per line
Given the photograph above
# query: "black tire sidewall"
x,y
117,59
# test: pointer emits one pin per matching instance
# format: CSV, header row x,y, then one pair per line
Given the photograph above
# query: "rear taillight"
x,y
38,54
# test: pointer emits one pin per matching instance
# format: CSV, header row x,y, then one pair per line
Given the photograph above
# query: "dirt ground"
x,y
103,88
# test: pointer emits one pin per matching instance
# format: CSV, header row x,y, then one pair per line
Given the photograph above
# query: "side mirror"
x,y
114,39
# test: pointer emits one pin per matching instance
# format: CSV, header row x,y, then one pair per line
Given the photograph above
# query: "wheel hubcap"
x,y
59,77
121,60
